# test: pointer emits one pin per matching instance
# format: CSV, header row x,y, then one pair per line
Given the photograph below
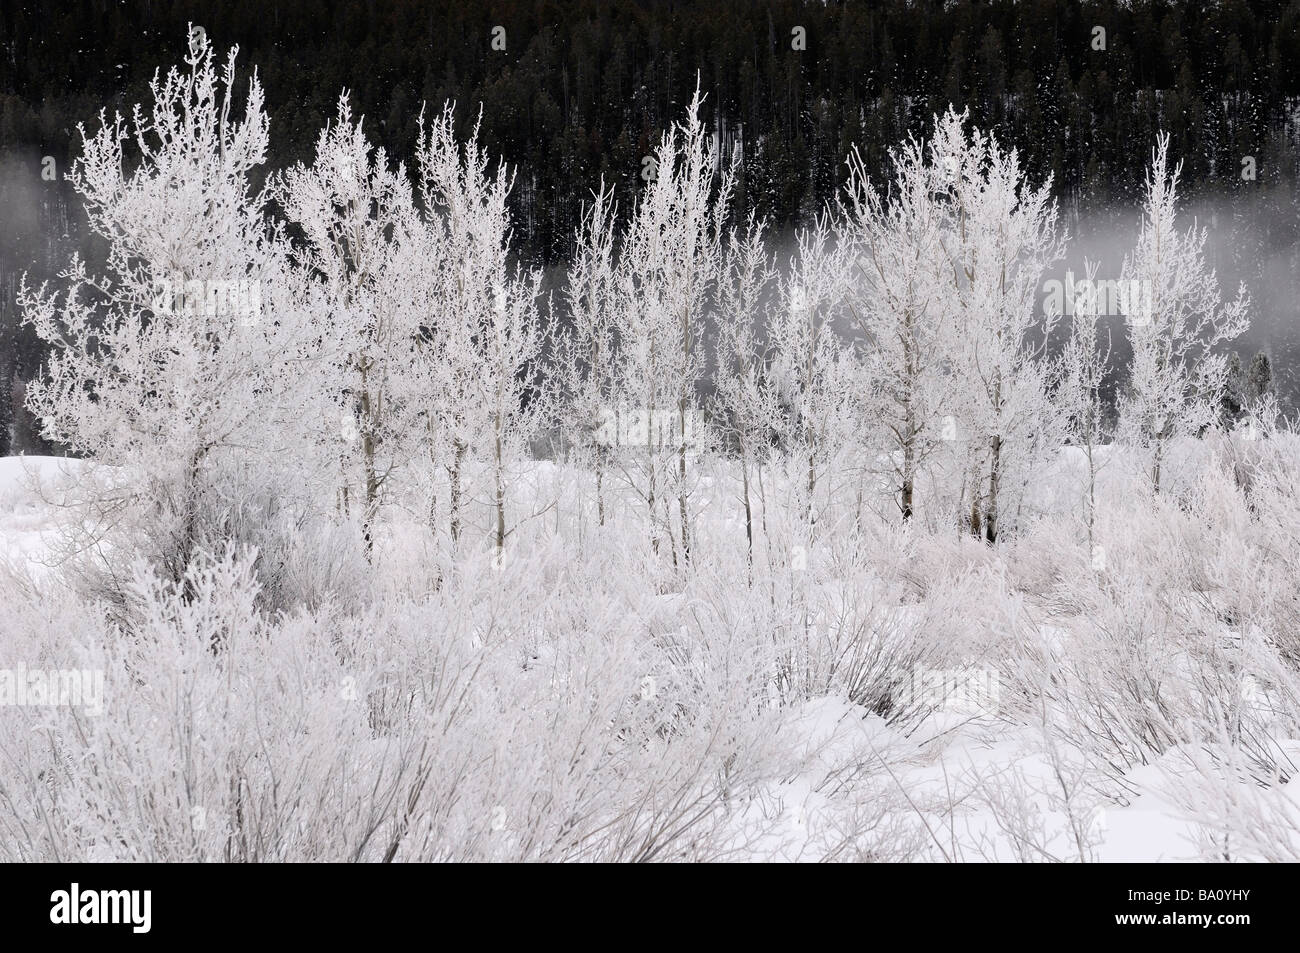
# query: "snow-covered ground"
x,y
567,711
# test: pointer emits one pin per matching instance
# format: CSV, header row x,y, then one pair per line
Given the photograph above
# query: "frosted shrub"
x,y
409,731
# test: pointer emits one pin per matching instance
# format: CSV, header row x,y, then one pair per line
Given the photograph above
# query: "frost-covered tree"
x,y
437,336
812,373
185,365
742,402
358,221
485,339
585,354
671,260
900,295
1001,237
1084,363
1176,381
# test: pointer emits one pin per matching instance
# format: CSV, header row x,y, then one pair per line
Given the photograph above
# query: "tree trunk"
x,y
600,492
682,401
189,529
995,475
909,416
368,458
500,495
454,471
909,465
650,494
749,513
681,486
1155,463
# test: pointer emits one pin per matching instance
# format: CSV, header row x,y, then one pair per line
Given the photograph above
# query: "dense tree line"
x,y
379,334
573,94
